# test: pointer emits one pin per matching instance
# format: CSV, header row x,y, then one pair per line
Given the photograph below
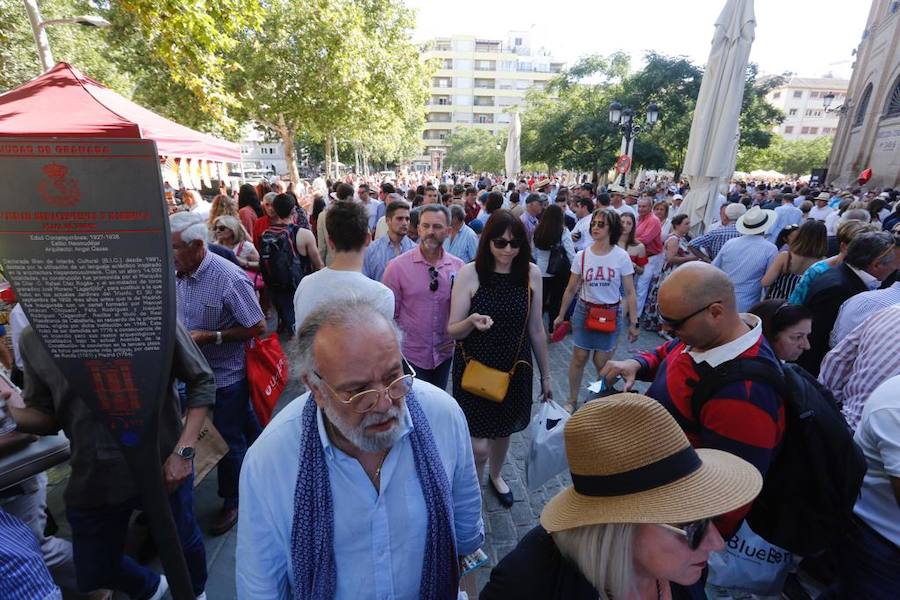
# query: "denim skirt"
x,y
593,340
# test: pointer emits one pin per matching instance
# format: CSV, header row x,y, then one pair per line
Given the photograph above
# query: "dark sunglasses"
x,y
677,323
600,224
221,228
693,532
501,243
433,273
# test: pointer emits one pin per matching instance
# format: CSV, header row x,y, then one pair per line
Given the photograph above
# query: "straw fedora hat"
x,y
756,221
823,196
544,182
616,189
631,463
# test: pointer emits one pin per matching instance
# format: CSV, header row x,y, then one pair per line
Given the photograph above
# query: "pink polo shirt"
x,y
649,233
422,314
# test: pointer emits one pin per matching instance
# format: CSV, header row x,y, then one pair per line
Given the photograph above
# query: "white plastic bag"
x,y
751,564
547,455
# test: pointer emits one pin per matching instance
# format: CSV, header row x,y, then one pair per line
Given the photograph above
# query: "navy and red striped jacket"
x,y
745,418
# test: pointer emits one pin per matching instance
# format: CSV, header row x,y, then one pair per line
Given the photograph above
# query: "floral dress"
x,y
650,318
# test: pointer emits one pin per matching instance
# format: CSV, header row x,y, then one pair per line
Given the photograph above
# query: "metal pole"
x,y
627,134
40,34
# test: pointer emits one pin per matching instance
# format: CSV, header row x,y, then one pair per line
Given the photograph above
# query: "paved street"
x,y
504,527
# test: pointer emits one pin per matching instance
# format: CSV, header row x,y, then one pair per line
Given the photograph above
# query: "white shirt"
x,y
858,308
820,214
831,222
602,275
17,322
378,537
624,209
329,286
582,227
720,354
878,436
202,207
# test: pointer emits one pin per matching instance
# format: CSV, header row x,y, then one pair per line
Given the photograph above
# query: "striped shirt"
x,y
380,252
464,245
855,310
712,241
862,361
745,260
23,574
218,296
745,418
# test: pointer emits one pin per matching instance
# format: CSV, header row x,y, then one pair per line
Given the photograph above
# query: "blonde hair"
x,y
604,555
221,206
232,223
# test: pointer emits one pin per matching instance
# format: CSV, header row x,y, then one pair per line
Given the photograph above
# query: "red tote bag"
x,y
267,373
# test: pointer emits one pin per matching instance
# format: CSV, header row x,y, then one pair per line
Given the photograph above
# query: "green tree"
x,y
476,150
337,70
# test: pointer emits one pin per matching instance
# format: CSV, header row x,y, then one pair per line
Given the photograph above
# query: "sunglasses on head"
x,y
693,532
433,273
501,243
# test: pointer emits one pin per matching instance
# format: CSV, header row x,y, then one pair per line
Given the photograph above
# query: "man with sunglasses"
x,y
697,306
421,280
365,486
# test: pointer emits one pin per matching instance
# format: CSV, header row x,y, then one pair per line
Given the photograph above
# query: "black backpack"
x,y
808,493
278,259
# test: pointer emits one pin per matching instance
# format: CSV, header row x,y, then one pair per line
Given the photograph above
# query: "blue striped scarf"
x,y
312,535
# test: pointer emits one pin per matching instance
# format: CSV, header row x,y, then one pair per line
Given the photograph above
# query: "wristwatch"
x,y
218,338
185,452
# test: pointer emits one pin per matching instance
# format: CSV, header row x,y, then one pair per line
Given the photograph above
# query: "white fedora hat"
x,y
756,221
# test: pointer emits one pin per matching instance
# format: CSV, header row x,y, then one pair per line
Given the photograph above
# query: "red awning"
x,y
65,103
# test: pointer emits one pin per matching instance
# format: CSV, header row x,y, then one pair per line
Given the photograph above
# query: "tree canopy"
x,y
566,125
791,157
475,150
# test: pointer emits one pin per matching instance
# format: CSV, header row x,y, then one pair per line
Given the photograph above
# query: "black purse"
x,y
558,261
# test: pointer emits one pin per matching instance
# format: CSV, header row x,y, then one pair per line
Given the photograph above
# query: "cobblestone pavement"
x,y
504,527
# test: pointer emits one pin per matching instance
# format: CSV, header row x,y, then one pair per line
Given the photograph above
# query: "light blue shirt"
x,y
786,214
745,260
380,252
464,246
379,539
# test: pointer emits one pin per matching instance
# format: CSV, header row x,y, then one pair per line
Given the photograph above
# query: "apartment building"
x,y
801,100
477,84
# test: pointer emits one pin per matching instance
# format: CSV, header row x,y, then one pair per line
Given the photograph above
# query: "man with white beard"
x,y
365,486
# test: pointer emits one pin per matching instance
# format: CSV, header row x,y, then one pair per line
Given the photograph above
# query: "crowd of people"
x,y
423,311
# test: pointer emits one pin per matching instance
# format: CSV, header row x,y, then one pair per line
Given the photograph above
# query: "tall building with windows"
x,y
477,82
801,100
869,132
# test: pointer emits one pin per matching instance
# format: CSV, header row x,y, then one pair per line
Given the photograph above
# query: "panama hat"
x,y
544,182
631,463
823,196
756,221
632,192
616,189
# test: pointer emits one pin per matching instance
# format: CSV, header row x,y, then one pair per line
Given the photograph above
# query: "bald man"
x,y
697,305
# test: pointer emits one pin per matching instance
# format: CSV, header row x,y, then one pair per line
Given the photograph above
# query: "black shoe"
x,y
505,499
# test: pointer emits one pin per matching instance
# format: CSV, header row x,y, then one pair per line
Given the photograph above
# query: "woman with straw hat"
x,y
637,521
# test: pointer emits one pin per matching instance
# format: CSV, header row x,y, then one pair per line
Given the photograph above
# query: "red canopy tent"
x,y
63,102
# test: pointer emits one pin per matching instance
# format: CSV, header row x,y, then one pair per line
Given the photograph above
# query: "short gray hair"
x,y
269,197
866,247
192,226
439,208
457,212
856,214
352,314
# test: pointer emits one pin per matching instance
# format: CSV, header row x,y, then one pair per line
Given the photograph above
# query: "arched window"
x,y
892,108
863,106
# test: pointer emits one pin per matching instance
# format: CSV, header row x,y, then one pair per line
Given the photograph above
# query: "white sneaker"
x,y
161,589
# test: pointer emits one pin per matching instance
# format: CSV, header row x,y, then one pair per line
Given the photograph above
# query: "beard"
x,y
357,435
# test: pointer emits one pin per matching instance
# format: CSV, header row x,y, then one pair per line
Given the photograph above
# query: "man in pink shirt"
x,y
649,233
421,280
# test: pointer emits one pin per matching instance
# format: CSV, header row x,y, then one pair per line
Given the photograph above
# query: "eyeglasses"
x,y
600,224
677,323
693,532
221,228
365,401
433,273
501,243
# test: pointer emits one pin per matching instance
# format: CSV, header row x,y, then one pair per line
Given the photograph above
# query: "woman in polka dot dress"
x,y
498,320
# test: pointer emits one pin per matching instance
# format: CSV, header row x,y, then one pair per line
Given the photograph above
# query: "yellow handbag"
x,y
487,382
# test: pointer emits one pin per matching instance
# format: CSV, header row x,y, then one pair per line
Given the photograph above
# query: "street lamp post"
x,y
624,118
828,98
39,29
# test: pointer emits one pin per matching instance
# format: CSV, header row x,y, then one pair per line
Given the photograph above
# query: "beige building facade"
x,y
868,135
801,101
477,84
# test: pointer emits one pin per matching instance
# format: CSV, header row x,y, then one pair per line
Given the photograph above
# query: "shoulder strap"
x,y
516,360
713,379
